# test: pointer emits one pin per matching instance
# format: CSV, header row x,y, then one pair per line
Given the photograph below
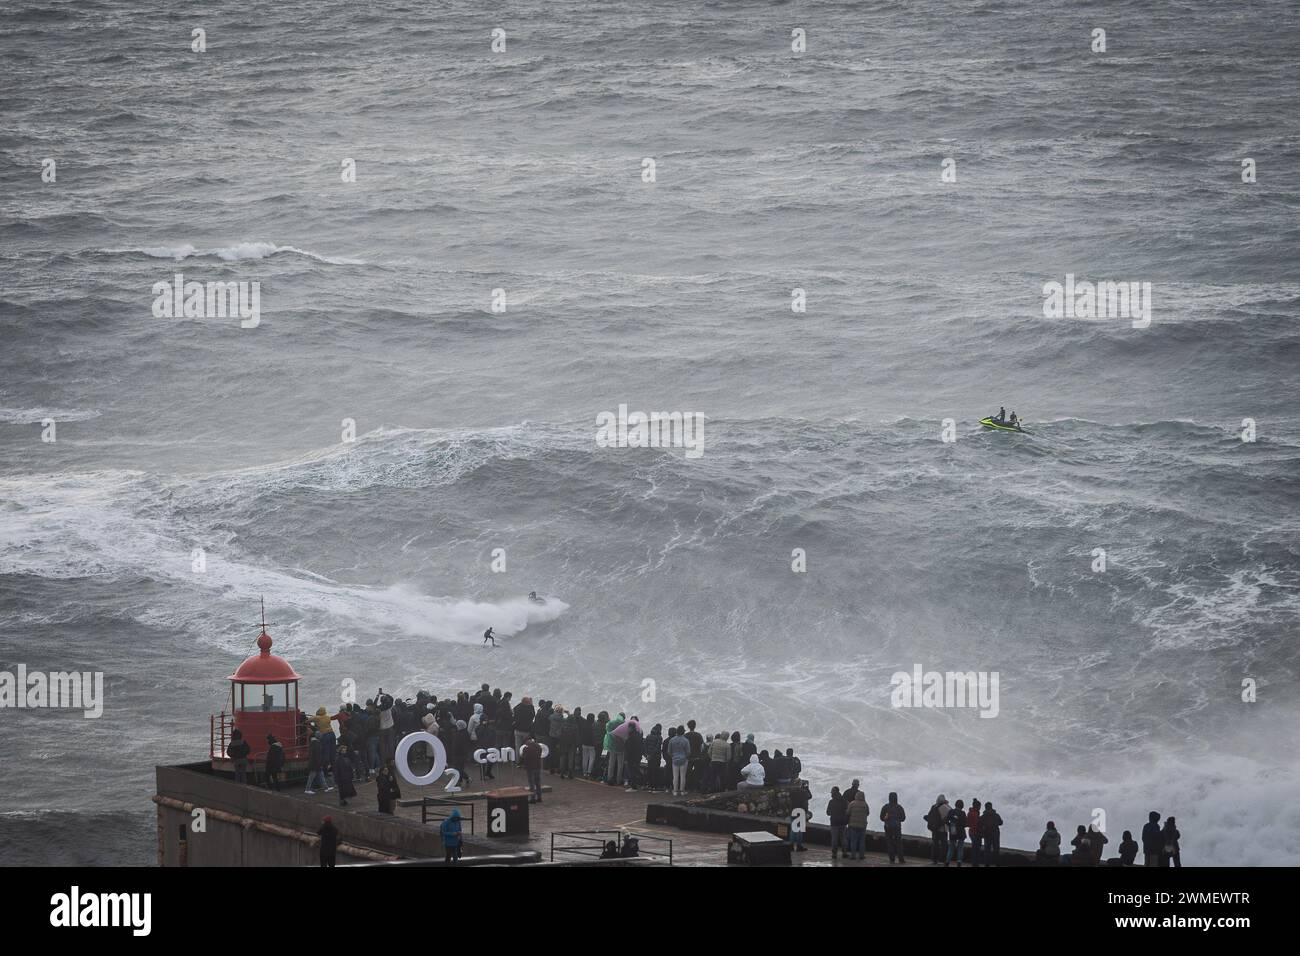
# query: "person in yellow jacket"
x,y
323,722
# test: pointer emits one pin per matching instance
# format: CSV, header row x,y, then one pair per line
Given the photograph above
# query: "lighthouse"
x,y
263,700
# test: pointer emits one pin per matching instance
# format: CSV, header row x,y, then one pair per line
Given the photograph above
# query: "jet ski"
x,y
1001,426
532,596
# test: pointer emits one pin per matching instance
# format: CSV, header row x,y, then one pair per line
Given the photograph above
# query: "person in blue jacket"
x,y
449,829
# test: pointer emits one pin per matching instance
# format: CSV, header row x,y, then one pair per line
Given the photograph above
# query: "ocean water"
x,y
522,170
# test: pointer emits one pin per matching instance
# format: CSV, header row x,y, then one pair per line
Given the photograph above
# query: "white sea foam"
x,y
82,525
237,253
34,416
1231,811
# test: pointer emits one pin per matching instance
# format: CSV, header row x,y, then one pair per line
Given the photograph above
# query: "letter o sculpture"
x,y
404,752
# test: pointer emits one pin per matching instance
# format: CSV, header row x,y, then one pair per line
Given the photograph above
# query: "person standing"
x,y
892,816
694,738
460,750
475,720
991,828
633,747
274,762
1153,841
372,739
315,774
1169,852
695,765
956,833
387,732
328,741
386,790
524,716
343,775
859,813
799,801
487,740
542,731
450,832
719,751
329,842
654,745
615,745
238,754
505,723
555,727
837,812
530,755
679,753
586,740
598,746
973,830
937,821
569,742
734,760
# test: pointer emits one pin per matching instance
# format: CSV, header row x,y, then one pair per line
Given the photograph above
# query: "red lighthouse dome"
x,y
264,667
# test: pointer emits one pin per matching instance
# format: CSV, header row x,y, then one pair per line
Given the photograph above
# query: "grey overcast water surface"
x,y
521,170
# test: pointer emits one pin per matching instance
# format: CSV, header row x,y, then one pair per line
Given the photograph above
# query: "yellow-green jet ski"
x,y
996,425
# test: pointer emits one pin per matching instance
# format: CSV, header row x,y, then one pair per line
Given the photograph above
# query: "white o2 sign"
x,y
401,758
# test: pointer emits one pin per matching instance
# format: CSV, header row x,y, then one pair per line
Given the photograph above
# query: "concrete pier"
x,y
246,825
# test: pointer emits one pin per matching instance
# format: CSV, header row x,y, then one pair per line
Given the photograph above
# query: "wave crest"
x,y
236,253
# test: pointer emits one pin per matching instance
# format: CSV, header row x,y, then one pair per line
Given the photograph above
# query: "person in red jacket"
x,y
531,757
973,830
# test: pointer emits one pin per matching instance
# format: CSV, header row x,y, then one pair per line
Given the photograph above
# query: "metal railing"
x,y
439,809
591,844
219,728
221,725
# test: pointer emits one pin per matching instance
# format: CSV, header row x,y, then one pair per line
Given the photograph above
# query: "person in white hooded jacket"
x,y
937,821
474,721
752,773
